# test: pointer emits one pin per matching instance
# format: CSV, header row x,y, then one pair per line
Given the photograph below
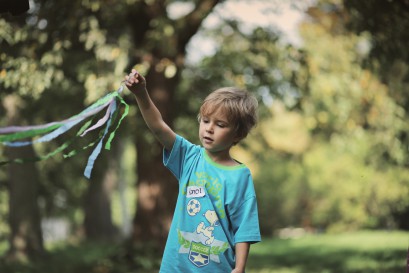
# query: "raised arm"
x,y
136,83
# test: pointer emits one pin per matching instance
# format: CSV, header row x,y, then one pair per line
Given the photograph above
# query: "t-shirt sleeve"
x,y
245,222
172,159
179,157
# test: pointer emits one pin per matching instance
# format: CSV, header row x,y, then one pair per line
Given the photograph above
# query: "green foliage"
x,y
387,25
253,60
346,193
56,59
281,192
324,185
352,112
387,53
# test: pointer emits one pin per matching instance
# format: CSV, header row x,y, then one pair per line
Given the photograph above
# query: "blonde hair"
x,y
238,105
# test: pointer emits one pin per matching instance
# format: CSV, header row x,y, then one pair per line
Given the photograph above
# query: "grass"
x,y
88,258
371,251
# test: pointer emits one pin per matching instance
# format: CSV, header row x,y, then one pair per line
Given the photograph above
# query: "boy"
x,y
216,217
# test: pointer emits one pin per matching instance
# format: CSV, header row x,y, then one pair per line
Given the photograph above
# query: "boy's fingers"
x,y
134,78
134,73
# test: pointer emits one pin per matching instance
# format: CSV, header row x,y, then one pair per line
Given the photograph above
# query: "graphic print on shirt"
x,y
193,207
208,184
207,231
200,244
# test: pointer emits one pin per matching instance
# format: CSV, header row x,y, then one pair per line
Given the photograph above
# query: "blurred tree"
x,y
351,109
23,182
48,56
386,23
25,240
58,48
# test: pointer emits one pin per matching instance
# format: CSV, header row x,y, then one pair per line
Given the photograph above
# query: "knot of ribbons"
x,y
13,136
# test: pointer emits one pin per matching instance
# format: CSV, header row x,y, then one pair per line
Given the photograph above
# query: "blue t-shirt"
x,y
216,208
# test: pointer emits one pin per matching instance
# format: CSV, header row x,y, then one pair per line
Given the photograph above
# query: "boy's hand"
x,y
135,82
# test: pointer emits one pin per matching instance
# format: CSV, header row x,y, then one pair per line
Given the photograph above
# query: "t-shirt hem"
x,y
247,239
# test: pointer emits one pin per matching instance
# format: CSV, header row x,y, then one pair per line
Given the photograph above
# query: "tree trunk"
x,y
24,214
98,222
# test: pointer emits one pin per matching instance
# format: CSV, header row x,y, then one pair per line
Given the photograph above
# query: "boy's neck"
x,y
222,158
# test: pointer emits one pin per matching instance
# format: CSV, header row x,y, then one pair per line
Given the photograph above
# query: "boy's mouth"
x,y
207,139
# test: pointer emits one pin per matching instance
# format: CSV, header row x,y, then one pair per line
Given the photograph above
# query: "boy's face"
x,y
216,133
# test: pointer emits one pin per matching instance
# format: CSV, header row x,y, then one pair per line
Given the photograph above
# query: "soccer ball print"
x,y
193,207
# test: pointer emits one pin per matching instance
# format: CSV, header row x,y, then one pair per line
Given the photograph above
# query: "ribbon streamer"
x,y
49,131
97,150
59,149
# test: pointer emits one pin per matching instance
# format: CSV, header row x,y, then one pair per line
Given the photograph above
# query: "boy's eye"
x,y
221,125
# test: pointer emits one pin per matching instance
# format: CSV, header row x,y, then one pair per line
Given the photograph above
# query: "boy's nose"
x,y
209,128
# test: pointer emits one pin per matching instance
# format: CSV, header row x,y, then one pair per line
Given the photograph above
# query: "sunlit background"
x,y
329,156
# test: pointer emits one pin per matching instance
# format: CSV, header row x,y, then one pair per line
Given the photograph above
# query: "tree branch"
x,y
188,26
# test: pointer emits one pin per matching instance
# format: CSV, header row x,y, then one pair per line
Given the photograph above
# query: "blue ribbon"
x,y
97,150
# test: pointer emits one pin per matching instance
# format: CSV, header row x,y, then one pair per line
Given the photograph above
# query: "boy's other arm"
x,y
137,85
242,252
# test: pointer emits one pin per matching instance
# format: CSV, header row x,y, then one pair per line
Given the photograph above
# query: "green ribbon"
x,y
54,152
